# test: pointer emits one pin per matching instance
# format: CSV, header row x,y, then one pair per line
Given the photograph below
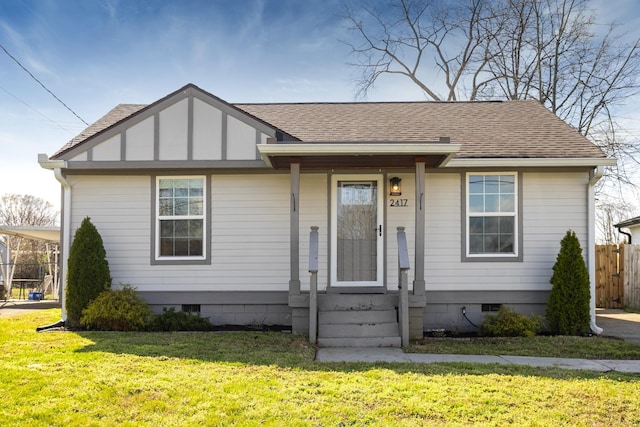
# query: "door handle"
x,y
380,229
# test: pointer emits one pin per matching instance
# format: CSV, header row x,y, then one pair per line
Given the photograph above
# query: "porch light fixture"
x,y
396,189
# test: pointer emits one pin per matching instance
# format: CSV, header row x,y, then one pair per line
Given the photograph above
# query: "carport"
x,y
51,238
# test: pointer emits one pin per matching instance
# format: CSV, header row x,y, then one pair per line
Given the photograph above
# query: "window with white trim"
x,y
180,226
492,214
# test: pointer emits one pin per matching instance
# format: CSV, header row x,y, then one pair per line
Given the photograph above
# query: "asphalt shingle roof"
x,y
520,129
497,129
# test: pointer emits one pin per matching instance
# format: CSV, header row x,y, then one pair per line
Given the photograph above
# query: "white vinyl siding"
x,y
552,203
400,215
314,211
249,233
119,207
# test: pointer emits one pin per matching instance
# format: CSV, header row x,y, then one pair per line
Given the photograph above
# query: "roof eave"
x,y
44,233
633,222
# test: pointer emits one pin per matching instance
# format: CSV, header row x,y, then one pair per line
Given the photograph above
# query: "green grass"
x,y
542,346
270,379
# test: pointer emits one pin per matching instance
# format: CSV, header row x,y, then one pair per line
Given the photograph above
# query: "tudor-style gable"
x,y
187,128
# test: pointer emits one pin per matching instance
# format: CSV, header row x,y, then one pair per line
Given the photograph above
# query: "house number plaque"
x,y
398,203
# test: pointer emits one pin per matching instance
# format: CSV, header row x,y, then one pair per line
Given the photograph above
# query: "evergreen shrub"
x,y
568,306
508,323
87,271
117,310
171,320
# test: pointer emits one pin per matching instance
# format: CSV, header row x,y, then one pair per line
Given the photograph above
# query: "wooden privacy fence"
x,y
609,278
631,276
618,276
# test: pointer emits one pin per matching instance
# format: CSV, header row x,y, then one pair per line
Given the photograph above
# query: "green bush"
x,y
508,323
172,320
117,310
568,310
88,271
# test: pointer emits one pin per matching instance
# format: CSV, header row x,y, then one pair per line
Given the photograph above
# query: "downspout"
x,y
56,166
625,233
594,177
65,240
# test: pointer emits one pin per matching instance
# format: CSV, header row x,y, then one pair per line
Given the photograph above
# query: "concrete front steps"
x,y
358,320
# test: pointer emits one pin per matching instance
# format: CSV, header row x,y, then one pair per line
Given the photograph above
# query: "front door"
x,y
356,230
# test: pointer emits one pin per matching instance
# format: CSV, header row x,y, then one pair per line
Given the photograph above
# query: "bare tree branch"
x,y
397,39
548,50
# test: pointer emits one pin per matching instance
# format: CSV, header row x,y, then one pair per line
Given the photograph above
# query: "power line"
x,y
42,84
34,109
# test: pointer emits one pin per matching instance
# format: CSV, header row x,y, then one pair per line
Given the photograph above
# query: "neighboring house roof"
x,y
629,222
485,129
47,234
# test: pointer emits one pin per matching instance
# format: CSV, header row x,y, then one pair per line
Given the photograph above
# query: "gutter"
x,y
594,177
539,162
56,166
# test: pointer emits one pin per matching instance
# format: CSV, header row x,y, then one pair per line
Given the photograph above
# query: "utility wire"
x,y
42,84
34,109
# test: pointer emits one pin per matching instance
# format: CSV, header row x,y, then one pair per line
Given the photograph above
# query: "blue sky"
x,y
95,54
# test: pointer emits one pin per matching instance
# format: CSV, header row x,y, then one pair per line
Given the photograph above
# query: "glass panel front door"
x,y
357,231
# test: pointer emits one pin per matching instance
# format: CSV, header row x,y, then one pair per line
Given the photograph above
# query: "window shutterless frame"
x,y
180,223
492,220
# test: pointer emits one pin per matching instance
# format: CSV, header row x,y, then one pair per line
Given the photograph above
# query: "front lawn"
x,y
543,346
269,378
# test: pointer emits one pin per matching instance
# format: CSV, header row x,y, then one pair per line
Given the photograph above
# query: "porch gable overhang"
x,y
357,155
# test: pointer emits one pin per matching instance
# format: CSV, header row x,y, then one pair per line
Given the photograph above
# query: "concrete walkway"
x,y
14,307
389,354
615,323
619,324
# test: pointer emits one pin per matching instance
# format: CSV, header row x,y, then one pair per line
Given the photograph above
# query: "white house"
x,y
631,229
208,206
